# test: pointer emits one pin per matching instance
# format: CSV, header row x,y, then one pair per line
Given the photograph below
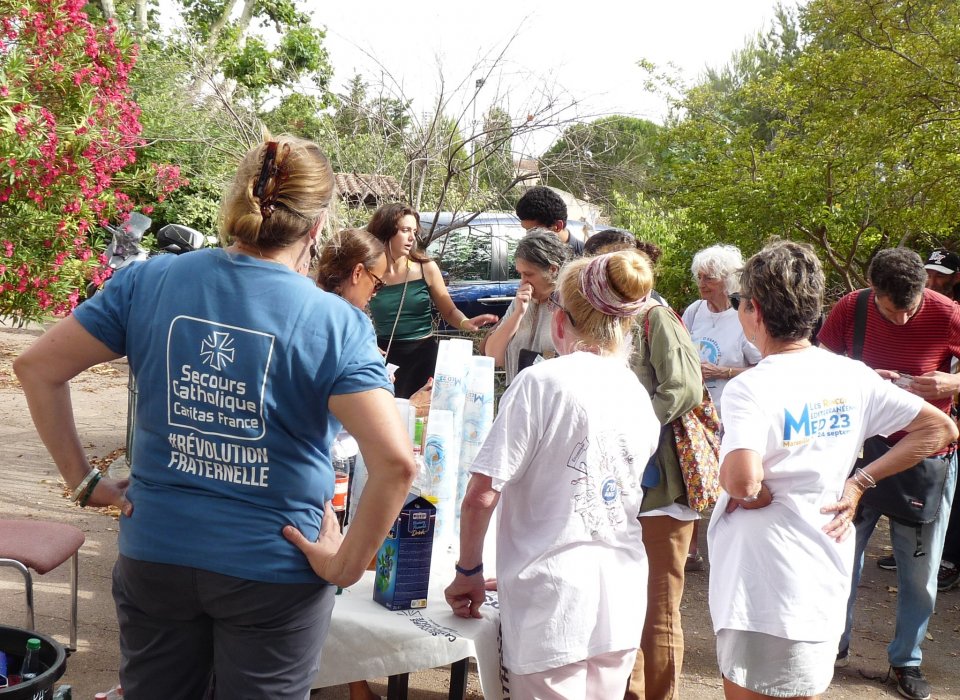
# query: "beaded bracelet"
x,y
92,485
81,487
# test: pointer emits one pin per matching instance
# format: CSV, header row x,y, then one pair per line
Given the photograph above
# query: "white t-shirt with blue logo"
x,y
235,360
719,339
567,451
806,413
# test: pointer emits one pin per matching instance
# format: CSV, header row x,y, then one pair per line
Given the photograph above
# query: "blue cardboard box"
x,y
403,563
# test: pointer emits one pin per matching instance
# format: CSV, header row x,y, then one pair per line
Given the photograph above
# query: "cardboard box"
x,y
403,563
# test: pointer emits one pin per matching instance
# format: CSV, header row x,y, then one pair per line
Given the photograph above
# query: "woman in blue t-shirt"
x,y
245,371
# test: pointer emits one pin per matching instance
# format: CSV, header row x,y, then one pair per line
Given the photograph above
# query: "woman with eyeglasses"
x,y
523,336
725,351
567,460
229,551
402,311
352,265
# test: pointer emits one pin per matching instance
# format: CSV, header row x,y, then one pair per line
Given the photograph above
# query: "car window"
x,y
464,253
512,236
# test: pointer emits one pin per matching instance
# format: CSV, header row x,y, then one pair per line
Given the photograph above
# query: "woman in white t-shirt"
x,y
567,461
793,427
712,321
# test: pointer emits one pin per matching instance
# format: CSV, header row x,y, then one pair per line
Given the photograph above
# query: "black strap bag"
x,y
913,496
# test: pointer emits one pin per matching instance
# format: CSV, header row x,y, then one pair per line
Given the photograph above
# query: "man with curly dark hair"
x,y
542,207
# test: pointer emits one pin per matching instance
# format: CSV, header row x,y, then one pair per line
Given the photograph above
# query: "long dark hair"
x,y
384,225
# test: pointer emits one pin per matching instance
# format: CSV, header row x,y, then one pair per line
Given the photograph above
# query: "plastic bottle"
x,y
419,481
418,428
341,490
343,454
30,668
115,693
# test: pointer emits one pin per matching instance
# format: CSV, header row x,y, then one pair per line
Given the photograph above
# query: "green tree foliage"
x,y
268,47
367,134
207,92
593,160
840,129
492,158
198,130
674,233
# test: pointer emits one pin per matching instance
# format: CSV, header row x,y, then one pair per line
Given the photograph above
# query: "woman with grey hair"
x,y
523,335
793,426
712,320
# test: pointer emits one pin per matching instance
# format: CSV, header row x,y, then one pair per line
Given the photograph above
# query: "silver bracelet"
x,y
750,499
871,482
81,487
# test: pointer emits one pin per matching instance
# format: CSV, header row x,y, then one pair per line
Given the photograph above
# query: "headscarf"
x,y
600,293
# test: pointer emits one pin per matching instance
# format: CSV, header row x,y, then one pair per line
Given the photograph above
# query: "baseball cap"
x,y
942,260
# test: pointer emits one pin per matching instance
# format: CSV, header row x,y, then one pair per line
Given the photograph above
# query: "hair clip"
x,y
267,170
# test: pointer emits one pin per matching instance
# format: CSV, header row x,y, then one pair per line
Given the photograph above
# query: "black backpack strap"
x,y
860,323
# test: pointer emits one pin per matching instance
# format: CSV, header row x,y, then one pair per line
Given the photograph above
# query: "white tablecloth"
x,y
368,641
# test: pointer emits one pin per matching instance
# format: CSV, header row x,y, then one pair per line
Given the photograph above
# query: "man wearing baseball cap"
x,y
943,273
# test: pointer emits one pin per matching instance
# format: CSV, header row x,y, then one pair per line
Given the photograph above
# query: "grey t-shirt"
x,y
533,334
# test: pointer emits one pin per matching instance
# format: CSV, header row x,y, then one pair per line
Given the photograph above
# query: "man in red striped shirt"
x,y
911,332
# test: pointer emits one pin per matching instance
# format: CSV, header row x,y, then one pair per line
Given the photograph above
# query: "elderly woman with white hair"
x,y
712,320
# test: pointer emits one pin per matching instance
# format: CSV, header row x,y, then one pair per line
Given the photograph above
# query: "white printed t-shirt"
x,y
720,340
772,569
567,451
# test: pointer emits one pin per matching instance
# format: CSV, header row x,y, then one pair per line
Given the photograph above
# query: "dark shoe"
x,y
947,576
911,683
887,563
694,563
843,658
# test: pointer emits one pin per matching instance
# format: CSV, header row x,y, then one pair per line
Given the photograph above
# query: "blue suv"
x,y
476,258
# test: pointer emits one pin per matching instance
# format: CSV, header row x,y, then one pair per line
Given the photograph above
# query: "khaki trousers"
x,y
656,672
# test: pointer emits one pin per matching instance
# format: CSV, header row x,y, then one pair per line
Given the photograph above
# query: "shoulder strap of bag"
x,y
860,323
646,318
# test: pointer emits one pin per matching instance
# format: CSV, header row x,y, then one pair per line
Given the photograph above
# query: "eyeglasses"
x,y
734,300
555,300
378,283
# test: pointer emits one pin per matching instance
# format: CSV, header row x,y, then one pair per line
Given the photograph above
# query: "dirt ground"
x,y
31,489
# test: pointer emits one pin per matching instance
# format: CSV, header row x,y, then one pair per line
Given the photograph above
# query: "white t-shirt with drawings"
x,y
567,451
720,340
806,413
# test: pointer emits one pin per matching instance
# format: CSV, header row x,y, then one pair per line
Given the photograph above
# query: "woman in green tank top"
x,y
402,309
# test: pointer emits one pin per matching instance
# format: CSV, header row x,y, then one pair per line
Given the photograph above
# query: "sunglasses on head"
x,y
734,300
